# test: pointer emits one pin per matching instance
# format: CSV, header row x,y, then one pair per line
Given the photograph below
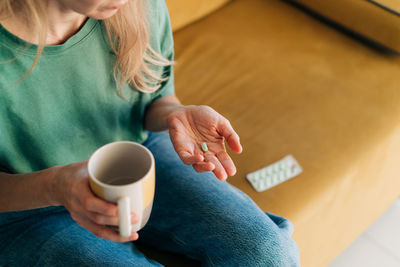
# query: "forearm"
x,y
156,118
26,191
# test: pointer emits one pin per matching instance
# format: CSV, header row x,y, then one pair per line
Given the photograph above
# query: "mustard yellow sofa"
x,y
291,83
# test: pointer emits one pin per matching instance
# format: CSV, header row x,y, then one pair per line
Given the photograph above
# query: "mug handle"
x,y
124,214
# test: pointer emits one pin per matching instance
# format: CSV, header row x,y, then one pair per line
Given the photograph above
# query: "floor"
x,y
378,246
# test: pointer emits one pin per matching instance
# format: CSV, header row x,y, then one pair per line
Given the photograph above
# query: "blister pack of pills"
x,y
274,174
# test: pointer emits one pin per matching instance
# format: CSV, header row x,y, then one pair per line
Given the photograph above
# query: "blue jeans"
x,y
193,214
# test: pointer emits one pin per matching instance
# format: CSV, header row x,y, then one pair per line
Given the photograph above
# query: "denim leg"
x,y
210,220
49,237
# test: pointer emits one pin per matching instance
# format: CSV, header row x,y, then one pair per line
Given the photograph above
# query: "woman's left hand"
x,y
190,126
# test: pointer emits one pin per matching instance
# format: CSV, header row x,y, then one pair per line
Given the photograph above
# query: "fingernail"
x,y
224,178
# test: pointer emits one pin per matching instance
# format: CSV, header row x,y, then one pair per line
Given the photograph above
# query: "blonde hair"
x,y
128,32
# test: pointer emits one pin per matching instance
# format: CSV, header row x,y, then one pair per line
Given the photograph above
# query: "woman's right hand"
x,y
71,189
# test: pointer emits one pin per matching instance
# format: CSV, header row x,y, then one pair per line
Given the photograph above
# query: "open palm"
x,y
193,125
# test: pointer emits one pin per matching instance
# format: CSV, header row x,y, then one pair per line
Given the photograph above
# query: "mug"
x,y
124,173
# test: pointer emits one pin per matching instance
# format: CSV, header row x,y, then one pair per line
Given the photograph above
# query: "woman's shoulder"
x,y
158,12
160,25
157,4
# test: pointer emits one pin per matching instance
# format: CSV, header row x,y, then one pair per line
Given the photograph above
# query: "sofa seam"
x,y
384,7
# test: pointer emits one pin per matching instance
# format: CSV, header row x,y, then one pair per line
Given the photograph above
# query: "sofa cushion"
x,y
185,12
378,20
292,85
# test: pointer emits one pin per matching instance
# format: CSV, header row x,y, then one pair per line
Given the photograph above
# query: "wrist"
x,y
174,112
175,109
53,186
156,117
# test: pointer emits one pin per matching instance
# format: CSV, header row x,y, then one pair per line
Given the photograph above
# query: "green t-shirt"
x,y
69,104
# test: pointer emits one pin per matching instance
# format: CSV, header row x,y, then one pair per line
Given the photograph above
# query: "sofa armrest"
x,y
377,20
185,12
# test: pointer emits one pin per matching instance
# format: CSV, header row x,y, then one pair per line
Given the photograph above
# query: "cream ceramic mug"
x,y
123,173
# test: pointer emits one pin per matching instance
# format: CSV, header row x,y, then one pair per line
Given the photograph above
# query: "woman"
x,y
77,74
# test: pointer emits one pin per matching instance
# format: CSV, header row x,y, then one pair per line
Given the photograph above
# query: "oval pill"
x,y
204,147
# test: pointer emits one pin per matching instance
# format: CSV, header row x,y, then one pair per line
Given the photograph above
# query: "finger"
x,y
226,162
203,167
98,205
105,232
92,203
100,219
190,159
219,170
231,137
185,150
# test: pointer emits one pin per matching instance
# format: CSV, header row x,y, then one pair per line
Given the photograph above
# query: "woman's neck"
x,y
62,24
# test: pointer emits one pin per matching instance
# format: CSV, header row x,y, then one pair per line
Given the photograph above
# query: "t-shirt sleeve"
x,y
161,40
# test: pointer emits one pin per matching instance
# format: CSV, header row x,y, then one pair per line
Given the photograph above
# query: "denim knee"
x,y
273,248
